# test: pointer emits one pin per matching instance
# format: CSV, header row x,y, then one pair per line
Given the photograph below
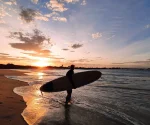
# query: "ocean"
x,y
120,97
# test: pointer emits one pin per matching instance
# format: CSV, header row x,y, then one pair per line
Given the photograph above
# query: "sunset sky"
x,y
90,33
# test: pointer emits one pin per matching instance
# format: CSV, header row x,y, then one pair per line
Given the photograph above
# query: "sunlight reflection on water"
x,y
40,74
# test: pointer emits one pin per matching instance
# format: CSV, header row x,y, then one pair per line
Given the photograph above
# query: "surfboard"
x,y
63,83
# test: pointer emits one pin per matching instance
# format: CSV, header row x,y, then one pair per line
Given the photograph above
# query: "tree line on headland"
x,y
13,66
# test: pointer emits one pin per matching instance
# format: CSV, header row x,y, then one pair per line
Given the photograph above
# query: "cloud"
x,y
29,42
110,37
83,2
35,1
40,53
138,62
61,19
118,63
27,15
147,26
11,2
4,54
55,5
6,58
96,35
76,46
99,57
56,58
84,60
39,16
46,17
3,13
43,54
80,61
51,14
71,1
135,62
65,49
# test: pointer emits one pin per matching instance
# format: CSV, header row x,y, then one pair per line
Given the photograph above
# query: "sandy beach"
x,y
11,104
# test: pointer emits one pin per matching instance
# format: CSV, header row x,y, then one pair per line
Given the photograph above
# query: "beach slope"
x,y
11,104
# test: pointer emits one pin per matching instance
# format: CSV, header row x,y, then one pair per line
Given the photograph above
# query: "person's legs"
x,y
68,97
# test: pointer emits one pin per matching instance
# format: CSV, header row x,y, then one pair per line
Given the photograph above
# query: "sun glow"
x,y
41,63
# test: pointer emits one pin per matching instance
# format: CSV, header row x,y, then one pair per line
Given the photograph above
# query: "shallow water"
x,y
119,97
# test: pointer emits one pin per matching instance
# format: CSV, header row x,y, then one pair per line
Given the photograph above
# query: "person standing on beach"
x,y
69,74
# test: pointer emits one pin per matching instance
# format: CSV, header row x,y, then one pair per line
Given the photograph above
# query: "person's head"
x,y
72,67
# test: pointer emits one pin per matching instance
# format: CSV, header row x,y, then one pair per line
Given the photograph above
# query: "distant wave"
x,y
116,87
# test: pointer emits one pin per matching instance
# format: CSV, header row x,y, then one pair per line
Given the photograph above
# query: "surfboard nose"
x,y
100,74
48,87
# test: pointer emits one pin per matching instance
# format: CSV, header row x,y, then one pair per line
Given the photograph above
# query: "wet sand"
x,y
11,104
75,115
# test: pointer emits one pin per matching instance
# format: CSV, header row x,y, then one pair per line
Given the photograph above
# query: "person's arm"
x,y
72,82
69,75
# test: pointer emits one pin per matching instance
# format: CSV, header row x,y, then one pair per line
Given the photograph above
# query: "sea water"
x,y
119,97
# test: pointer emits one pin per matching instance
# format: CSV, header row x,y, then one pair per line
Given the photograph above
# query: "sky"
x,y
89,33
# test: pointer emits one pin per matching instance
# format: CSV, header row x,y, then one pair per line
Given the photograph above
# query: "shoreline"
x,y
11,104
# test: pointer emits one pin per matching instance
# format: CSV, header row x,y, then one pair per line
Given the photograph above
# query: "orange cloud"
x,y
30,42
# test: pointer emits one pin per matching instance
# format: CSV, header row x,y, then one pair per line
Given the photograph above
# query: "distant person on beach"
x,y
69,91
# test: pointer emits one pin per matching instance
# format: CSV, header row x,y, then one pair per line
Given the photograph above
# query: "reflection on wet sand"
x,y
34,110
74,115
67,115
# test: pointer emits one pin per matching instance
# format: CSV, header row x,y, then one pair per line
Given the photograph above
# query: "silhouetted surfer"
x,y
69,91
